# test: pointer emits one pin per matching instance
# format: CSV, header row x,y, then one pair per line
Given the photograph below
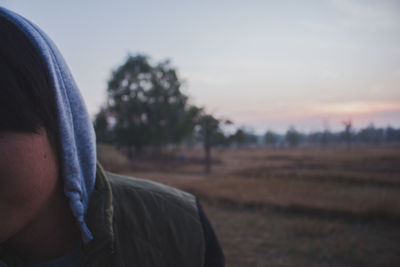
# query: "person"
x,y
58,206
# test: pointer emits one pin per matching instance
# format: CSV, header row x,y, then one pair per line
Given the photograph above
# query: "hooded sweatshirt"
x,y
76,133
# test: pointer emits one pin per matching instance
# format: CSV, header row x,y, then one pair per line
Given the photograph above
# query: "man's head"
x,y
28,134
39,98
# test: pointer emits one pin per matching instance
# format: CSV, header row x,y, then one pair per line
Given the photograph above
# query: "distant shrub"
x,y
111,158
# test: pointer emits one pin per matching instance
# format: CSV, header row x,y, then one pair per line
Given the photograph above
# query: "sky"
x,y
265,65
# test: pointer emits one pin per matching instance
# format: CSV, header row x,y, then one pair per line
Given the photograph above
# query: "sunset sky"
x,y
262,64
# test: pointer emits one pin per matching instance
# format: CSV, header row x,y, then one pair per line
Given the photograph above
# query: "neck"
x,y
51,234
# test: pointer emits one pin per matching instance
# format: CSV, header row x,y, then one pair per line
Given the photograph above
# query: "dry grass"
x,y
304,207
309,195
112,159
274,239
363,181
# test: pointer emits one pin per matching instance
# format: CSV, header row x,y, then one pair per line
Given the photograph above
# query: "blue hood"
x,y
77,138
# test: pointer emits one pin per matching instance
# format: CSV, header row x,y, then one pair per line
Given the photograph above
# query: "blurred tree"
x,y
220,139
146,105
243,137
371,135
238,137
392,134
326,134
325,137
348,132
250,137
210,132
101,127
293,137
321,138
271,138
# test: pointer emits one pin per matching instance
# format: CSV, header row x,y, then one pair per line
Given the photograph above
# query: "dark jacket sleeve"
x,y
214,256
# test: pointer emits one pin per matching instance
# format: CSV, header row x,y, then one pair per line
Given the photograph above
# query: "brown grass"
x,y
272,239
303,207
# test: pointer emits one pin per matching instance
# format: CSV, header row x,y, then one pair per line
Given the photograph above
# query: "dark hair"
x,y
26,96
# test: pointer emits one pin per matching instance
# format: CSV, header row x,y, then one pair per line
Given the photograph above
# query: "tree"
x,y
325,137
101,126
243,137
293,137
238,137
271,138
392,134
371,135
146,105
348,132
210,132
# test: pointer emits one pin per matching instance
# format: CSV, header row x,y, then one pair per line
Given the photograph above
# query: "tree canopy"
x,y
145,105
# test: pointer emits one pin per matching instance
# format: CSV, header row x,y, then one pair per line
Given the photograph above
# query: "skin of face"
x,y
28,178
35,218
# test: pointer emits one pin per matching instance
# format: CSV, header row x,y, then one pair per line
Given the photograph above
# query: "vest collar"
x,y
99,218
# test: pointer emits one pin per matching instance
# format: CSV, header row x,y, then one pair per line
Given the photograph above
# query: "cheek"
x,y
28,176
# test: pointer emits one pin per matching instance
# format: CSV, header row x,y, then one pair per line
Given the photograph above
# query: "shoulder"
x,y
126,187
155,221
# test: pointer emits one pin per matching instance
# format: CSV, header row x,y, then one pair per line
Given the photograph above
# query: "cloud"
x,y
378,14
353,108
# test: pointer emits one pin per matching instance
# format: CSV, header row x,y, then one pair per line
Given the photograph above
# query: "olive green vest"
x,y
140,223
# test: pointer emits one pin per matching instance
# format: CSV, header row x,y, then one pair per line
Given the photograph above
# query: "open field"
x,y
304,207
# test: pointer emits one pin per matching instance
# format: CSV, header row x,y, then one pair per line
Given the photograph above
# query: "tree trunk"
x,y
130,152
348,141
138,150
207,150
